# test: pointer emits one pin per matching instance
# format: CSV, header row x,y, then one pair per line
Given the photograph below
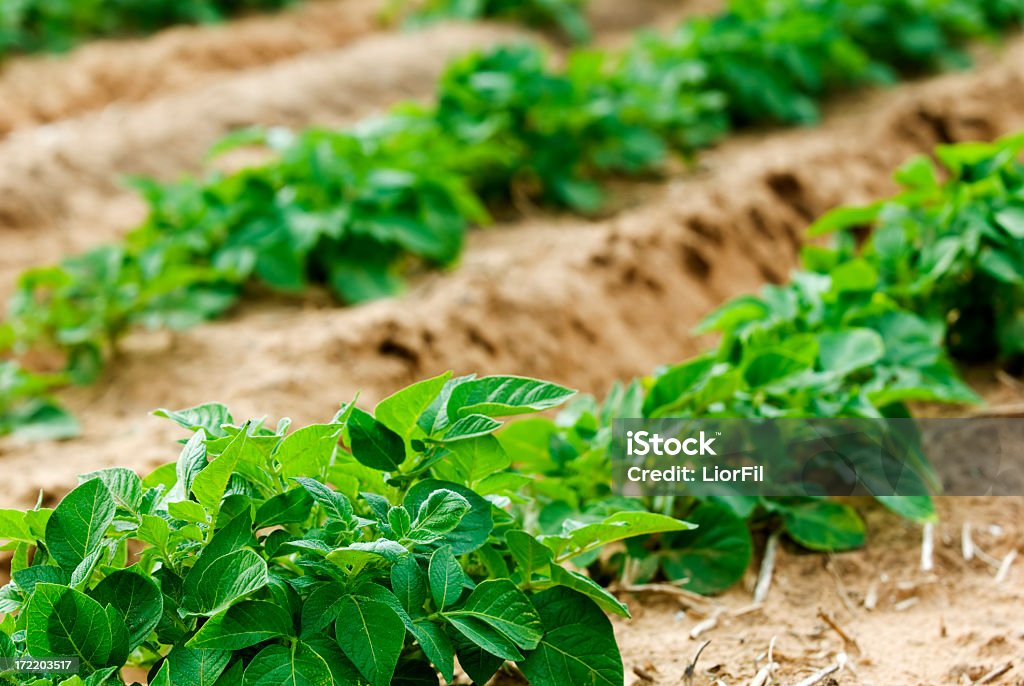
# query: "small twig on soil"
x,y
1004,566
694,599
705,625
691,669
765,673
928,547
966,542
822,673
764,577
995,674
644,676
871,597
992,562
906,604
840,586
847,638
1011,410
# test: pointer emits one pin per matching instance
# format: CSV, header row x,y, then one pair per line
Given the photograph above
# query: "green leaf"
x,y
446,578
78,523
500,396
614,528
307,451
13,527
137,598
528,552
242,625
471,426
479,664
196,667
590,588
439,514
772,364
712,557
163,676
61,621
322,607
210,484
918,508
334,504
225,571
290,507
371,635
500,604
1012,219
374,444
124,485
486,637
475,527
578,646
823,525
209,416
842,352
436,646
476,459
400,411
343,671
28,578
409,584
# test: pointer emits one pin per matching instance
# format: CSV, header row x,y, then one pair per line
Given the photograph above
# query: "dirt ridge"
x,y
103,72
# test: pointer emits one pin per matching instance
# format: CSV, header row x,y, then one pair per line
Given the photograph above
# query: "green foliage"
x,y
567,16
864,329
361,565
951,245
57,25
355,210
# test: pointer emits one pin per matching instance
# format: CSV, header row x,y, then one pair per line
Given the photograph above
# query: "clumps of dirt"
x,y
43,89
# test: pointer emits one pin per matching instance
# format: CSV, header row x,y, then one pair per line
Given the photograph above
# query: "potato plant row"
x,y
353,209
864,329
28,26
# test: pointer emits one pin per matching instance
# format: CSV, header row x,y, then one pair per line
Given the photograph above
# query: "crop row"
x,y
57,25
353,209
378,548
865,329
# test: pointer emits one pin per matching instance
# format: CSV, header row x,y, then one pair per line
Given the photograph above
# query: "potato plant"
x,y
950,246
375,548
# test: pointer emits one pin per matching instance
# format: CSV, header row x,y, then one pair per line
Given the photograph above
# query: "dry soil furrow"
x,y
104,72
580,303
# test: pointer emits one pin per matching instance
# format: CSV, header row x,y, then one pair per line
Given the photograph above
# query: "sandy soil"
x,y
181,58
953,625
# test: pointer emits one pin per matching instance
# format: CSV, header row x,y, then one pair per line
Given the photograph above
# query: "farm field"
x,y
580,299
